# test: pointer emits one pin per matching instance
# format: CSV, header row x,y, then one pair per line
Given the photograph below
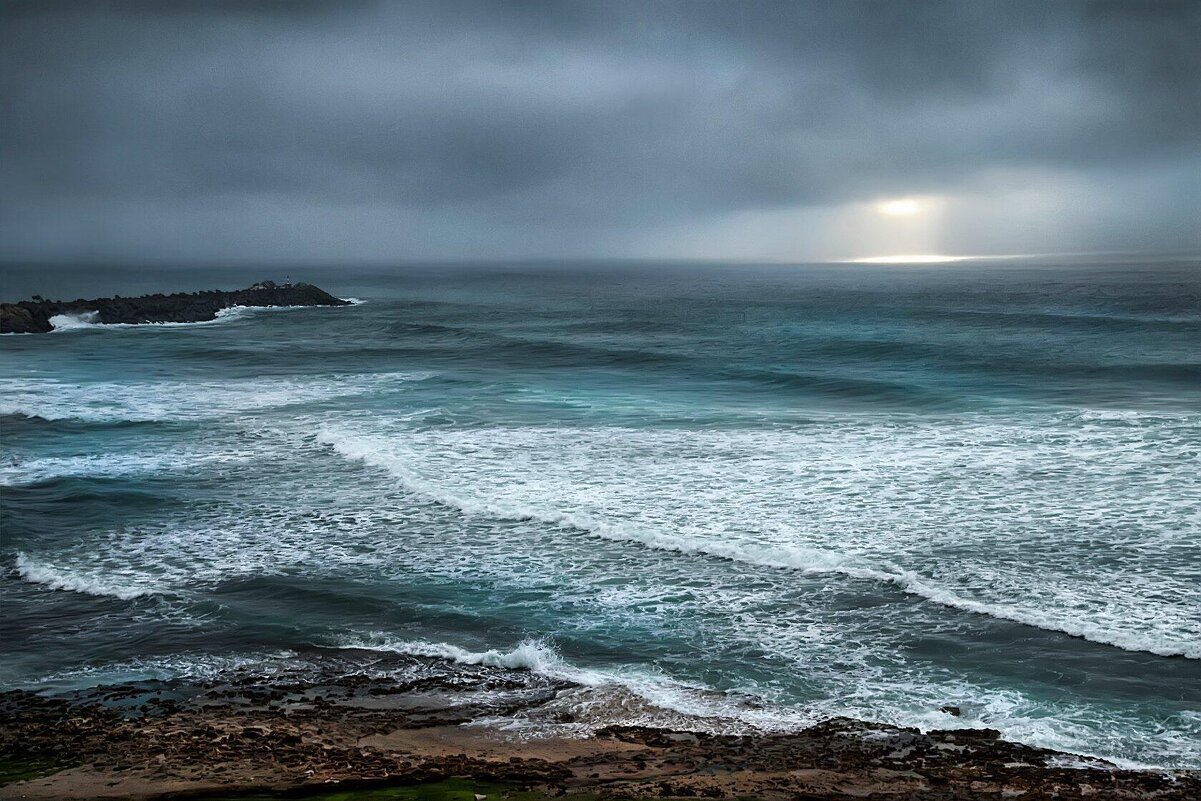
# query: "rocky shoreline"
x,y
285,735
34,316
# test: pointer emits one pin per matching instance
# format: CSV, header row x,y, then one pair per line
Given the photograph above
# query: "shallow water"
x,y
758,494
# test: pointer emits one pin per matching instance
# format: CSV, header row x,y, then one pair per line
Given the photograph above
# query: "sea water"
x,y
746,496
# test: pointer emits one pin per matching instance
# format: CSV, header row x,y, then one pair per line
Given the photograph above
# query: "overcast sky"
x,y
363,131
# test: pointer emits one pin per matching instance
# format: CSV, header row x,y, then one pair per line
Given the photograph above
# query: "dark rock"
x,y
951,710
27,317
33,316
214,733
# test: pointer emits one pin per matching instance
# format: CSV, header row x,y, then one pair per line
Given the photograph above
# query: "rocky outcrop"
x,y
33,316
28,317
239,734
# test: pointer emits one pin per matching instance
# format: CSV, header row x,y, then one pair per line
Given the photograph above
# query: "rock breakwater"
x,y
36,315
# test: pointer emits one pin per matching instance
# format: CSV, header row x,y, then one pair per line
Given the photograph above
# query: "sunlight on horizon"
x,y
923,258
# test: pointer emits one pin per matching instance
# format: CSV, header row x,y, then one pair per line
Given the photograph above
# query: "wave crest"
x,y
56,578
535,656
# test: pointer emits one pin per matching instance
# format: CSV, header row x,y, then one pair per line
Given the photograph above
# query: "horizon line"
x,y
916,259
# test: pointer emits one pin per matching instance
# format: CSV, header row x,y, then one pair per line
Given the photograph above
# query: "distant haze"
x,y
360,131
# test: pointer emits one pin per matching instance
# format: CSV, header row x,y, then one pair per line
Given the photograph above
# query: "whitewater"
x,y
722,498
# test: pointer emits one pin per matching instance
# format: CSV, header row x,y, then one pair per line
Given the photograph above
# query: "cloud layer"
x,y
360,131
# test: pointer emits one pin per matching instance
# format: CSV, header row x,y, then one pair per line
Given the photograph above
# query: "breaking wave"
x,y
805,560
68,322
56,578
88,320
603,698
532,655
620,696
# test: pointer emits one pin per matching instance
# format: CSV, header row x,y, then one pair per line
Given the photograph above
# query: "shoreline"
x,y
421,722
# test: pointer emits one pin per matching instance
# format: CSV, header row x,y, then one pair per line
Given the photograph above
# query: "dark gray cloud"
x,y
336,130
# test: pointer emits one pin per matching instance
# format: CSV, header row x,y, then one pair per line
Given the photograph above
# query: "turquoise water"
x,y
757,495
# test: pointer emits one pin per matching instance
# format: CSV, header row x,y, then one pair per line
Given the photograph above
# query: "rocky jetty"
x,y
34,316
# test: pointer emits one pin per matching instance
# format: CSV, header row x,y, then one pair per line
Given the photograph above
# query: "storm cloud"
x,y
388,131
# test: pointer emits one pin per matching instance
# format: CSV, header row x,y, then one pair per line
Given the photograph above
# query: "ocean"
x,y
741,497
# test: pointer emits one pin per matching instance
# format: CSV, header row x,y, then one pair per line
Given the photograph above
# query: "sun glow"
x,y
900,207
915,258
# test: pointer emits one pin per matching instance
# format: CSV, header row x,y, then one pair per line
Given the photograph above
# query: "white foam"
x,y
112,465
1152,643
58,578
625,696
532,655
991,514
107,402
234,312
634,697
193,666
87,320
387,455
67,322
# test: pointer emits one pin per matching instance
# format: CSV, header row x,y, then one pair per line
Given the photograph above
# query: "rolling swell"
x,y
844,387
470,343
1042,320
805,560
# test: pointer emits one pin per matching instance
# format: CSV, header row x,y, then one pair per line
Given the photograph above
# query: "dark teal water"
x,y
760,495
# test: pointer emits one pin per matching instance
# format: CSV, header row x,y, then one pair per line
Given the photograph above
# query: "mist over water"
x,y
762,495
